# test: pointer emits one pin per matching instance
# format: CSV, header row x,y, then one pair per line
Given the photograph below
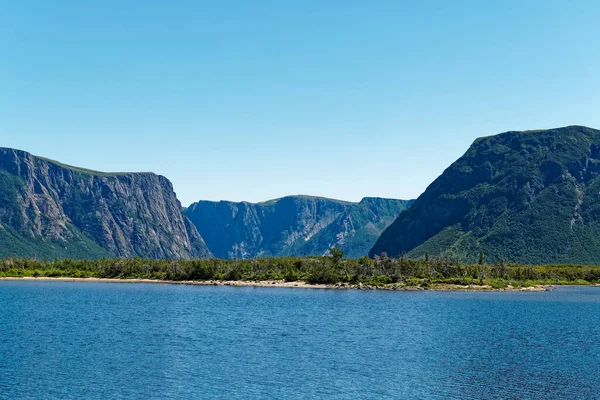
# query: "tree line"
x,y
330,269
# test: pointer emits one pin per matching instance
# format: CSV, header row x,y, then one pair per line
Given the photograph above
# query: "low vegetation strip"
x,y
328,270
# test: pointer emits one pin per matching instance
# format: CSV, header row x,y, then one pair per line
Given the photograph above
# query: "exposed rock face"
x,y
529,197
293,225
52,210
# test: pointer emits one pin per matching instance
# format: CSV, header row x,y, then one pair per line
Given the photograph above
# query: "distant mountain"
x,y
293,225
48,210
530,197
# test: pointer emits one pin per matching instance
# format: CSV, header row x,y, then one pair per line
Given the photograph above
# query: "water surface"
x,y
70,340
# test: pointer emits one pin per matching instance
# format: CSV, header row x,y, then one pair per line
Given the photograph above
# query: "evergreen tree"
x,y
336,254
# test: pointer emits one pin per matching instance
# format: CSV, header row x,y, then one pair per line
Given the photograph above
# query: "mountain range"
x,y
522,196
293,225
52,210
529,197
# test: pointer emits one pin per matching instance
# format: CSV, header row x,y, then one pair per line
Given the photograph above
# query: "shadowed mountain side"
x,y
528,197
292,225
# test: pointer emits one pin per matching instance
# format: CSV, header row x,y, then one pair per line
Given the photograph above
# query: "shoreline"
x,y
298,284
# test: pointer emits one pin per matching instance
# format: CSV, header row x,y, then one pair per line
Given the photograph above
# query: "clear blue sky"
x,y
251,100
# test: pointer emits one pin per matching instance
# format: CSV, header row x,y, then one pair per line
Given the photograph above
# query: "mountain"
x,y
356,230
293,225
528,197
48,210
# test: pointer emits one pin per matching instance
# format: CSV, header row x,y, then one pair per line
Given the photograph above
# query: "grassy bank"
x,y
316,270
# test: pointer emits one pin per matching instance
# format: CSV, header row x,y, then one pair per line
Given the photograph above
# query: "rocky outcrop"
x,y
292,225
48,209
529,197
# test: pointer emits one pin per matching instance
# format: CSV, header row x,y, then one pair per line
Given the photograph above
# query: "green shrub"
x,y
326,270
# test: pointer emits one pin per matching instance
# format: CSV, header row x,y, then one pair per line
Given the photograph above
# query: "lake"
x,y
79,340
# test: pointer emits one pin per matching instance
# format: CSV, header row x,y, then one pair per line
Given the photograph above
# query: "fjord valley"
x,y
51,210
315,200
293,225
528,197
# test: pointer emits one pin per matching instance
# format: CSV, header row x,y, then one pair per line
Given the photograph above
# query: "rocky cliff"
x,y
293,225
530,197
49,210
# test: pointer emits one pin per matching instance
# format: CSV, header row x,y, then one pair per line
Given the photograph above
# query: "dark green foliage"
x,y
324,270
530,197
336,254
14,244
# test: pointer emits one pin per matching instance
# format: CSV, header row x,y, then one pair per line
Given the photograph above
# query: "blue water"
x,y
67,340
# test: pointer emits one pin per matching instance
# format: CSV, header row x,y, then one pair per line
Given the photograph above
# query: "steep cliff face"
x,y
530,197
293,225
358,227
48,209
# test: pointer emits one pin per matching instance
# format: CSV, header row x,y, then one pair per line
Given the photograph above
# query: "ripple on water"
x,y
108,340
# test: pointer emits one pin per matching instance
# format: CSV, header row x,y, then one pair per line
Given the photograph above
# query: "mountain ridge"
x,y
290,225
49,209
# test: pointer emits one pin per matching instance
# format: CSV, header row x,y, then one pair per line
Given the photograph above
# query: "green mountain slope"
x,y
356,230
530,197
292,225
49,210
